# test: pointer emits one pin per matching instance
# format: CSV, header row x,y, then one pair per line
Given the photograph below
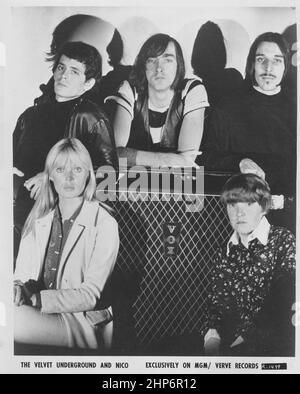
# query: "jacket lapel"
x,y
79,226
43,228
74,235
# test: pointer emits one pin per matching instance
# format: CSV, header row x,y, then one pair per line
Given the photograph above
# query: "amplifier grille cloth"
x,y
172,290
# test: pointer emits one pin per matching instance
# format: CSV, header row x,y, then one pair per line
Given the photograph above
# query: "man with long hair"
x,y
159,114
260,122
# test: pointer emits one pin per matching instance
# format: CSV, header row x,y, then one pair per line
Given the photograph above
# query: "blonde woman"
x,y
68,250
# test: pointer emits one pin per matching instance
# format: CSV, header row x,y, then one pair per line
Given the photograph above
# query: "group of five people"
x,y
69,242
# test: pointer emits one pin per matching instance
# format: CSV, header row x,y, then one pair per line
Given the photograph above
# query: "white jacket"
x,y
87,261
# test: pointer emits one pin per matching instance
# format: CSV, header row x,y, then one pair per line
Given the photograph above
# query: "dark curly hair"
x,y
83,53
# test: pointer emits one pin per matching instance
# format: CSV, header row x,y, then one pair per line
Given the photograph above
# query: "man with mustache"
x,y
260,122
159,115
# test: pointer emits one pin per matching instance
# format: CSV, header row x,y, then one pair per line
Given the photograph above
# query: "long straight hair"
x,y
153,47
276,38
64,150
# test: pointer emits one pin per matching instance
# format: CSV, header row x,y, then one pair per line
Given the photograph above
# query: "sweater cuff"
x,y
36,300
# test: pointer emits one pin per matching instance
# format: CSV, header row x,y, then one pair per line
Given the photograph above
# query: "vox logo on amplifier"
x,y
171,238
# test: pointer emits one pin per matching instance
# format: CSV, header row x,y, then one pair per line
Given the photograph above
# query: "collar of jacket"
x,y
87,218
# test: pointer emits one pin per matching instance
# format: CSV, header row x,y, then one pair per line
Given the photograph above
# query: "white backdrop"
x,y
32,28
27,33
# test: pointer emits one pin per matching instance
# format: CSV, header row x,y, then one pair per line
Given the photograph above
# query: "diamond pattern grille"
x,y
172,290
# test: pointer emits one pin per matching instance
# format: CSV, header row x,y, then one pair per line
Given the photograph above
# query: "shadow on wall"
x,y
87,28
110,82
209,59
236,39
290,35
93,31
135,31
108,41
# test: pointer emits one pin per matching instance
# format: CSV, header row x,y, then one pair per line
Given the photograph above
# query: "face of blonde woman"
x,y
69,178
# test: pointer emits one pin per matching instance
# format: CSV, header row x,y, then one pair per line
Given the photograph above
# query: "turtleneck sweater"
x,y
255,125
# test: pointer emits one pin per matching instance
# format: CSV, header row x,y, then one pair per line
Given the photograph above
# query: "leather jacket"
x,y
90,125
41,126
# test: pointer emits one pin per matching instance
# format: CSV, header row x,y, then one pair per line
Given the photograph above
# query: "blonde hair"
x,y
65,149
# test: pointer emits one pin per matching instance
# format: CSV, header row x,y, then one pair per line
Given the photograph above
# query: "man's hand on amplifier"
x,y
248,166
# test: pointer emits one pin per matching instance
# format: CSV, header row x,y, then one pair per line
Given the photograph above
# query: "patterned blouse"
x,y
242,278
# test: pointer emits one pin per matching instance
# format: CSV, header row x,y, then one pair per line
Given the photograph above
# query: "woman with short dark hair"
x,y
253,279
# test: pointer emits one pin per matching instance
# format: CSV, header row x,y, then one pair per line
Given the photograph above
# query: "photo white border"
x,y
12,364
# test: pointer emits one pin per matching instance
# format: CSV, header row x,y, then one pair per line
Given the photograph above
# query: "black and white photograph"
x,y
149,187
